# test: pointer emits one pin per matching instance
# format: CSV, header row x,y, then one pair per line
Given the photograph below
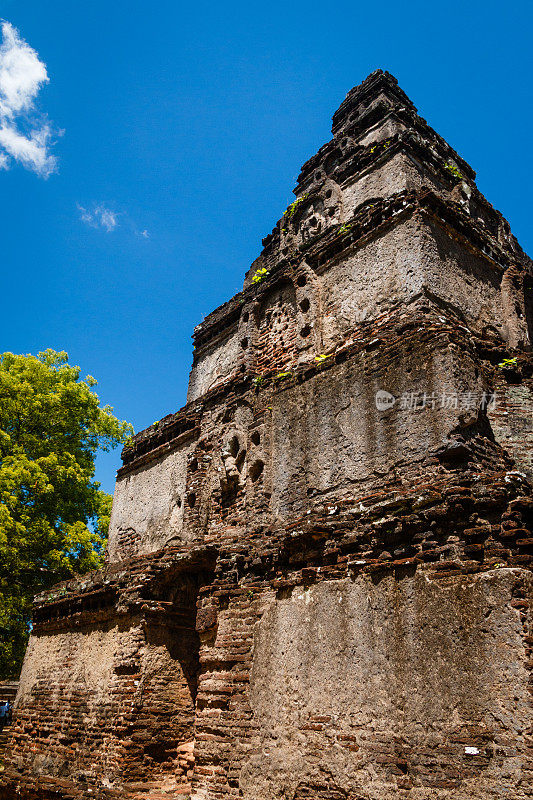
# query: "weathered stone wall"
x,y
76,669
399,174
148,506
204,491
410,582
343,440
126,685
374,686
214,365
512,420
289,322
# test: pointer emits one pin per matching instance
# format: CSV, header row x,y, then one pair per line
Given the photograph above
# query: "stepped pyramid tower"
x,y
319,569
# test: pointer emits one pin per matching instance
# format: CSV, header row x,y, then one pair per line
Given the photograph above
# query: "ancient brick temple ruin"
x,y
318,570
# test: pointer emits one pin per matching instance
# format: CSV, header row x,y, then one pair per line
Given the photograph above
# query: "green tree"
x,y
53,514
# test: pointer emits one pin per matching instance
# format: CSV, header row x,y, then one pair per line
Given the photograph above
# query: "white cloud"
x,y
108,220
99,217
25,135
31,151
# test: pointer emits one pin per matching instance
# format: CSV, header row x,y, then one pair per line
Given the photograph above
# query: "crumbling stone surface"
x,y
318,580
399,675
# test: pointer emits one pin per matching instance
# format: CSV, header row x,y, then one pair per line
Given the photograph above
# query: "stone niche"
x,y
361,688
148,506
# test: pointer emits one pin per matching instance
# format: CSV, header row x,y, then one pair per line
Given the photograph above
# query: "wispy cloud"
x,y
99,217
25,134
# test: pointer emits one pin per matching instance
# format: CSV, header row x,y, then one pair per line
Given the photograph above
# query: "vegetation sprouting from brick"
x,y
452,169
508,363
293,207
381,146
260,274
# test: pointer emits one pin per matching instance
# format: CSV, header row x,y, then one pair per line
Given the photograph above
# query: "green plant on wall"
x,y
321,358
452,169
291,210
381,145
508,363
259,275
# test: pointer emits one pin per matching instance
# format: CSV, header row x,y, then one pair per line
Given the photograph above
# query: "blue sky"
x,y
175,134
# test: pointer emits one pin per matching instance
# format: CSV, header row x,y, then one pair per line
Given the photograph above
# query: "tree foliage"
x,y
53,514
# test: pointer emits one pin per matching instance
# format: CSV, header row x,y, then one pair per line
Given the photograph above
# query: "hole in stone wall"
x,y
193,464
256,469
306,330
301,280
332,161
191,499
304,305
161,752
223,602
239,461
126,668
245,316
244,343
229,413
233,445
255,437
